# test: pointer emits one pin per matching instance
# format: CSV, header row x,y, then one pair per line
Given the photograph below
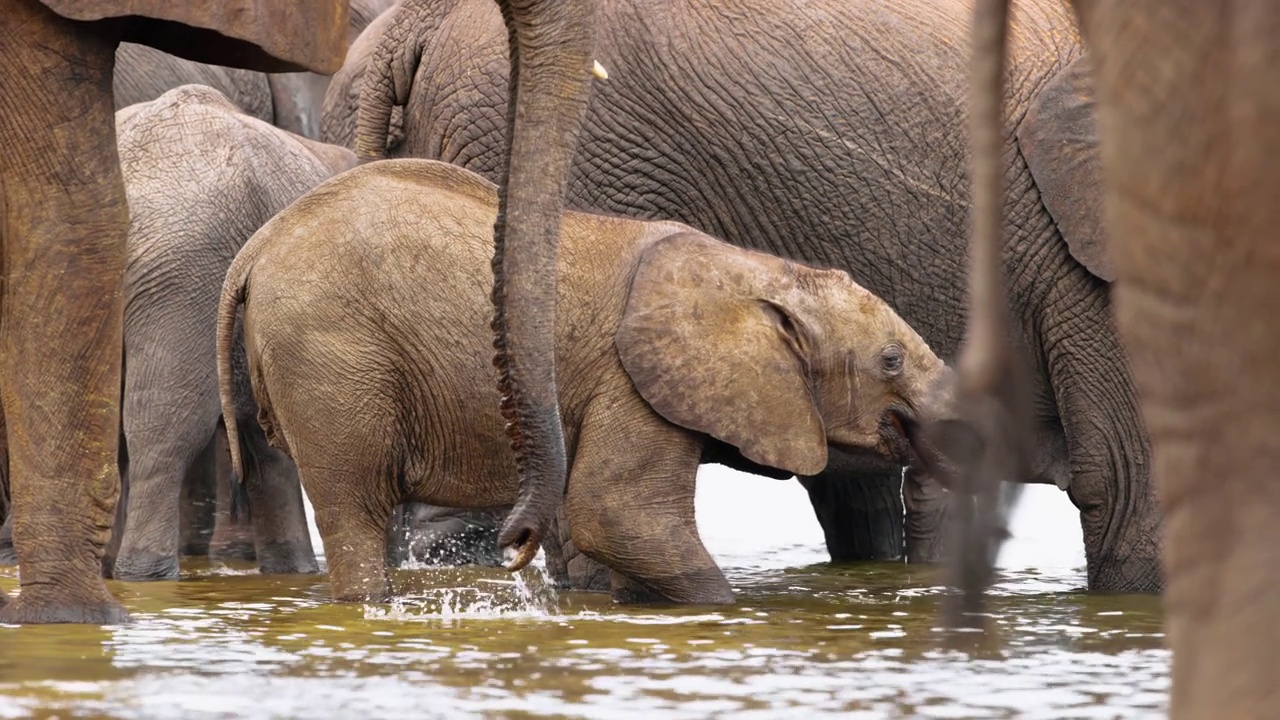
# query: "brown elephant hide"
x,y
265,35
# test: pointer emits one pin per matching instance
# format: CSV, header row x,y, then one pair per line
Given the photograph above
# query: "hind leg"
x,y
196,504
232,532
281,538
354,533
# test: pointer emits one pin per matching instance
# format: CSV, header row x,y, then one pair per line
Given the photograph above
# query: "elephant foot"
x,y
1114,573
285,559
704,587
145,566
235,545
43,605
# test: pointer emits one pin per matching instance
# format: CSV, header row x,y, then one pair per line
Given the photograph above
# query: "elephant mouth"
x,y
909,443
902,440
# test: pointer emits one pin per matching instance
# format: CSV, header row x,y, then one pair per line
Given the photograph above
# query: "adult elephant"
x,y
1189,113
833,132
290,101
64,222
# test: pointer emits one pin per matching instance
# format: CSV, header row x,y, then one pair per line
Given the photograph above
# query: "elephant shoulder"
x,y
1058,137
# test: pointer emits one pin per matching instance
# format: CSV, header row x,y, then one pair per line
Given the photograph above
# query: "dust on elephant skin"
x,y
368,294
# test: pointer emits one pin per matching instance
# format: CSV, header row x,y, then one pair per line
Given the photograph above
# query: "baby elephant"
x,y
366,324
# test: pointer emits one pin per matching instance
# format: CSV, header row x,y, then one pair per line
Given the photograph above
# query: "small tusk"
x,y
598,70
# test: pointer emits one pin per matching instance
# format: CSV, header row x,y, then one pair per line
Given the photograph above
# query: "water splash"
x,y
529,593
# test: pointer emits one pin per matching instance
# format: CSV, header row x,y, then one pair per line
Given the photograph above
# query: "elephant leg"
x,y
168,421
1109,455
232,530
861,514
197,503
7,554
65,217
354,534
1188,97
569,567
281,537
631,507
926,503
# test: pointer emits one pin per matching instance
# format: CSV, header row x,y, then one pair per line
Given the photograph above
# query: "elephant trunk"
x,y
551,46
388,79
989,441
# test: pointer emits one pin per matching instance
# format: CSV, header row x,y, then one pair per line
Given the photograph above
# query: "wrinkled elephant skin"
x,y
291,101
65,218
668,337
851,152
201,177
1190,115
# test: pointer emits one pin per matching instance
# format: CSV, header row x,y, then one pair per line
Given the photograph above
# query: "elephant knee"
x,y
587,533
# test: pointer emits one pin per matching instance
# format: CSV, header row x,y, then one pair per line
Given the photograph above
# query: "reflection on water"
x,y
803,640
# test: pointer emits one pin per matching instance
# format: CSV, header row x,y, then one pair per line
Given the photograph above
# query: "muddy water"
x,y
804,640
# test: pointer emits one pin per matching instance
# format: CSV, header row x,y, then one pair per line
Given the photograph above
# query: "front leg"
x,y
631,504
569,567
63,221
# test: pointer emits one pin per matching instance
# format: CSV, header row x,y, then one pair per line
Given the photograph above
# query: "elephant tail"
x,y
233,295
389,77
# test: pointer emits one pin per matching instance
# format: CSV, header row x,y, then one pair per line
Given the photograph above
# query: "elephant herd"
x,y
747,243
830,133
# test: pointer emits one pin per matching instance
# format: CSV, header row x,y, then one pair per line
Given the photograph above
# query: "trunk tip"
x,y
517,557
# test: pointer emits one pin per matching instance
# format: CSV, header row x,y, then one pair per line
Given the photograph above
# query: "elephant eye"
x,y
892,360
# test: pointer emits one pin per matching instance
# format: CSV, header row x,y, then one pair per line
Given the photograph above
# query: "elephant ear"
x,y
1059,138
716,340
266,35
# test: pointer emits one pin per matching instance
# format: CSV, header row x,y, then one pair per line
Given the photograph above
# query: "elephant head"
x,y
777,359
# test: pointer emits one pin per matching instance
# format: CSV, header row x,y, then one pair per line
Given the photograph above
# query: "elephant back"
x,y
144,73
266,35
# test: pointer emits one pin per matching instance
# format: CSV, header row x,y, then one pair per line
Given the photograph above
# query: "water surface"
x,y
804,639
